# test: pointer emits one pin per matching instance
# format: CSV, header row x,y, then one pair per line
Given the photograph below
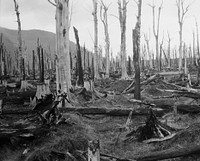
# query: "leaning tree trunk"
x,y
79,60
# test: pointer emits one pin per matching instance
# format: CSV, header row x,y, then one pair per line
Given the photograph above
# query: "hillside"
x,y
30,37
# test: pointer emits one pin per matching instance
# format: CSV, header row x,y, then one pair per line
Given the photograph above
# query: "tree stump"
x,y
93,150
42,90
25,86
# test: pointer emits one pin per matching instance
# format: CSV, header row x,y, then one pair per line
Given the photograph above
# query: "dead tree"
x,y
136,51
147,39
1,56
156,32
182,10
122,9
42,66
20,55
169,51
198,54
79,60
63,71
94,13
129,65
104,19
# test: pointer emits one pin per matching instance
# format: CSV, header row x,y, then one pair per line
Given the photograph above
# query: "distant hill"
x,y
29,38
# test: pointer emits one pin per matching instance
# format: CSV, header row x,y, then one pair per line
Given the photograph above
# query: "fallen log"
x,y
171,153
182,93
112,111
149,80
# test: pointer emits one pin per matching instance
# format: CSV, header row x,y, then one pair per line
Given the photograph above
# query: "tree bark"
x,y
20,55
104,19
136,52
33,65
111,111
122,19
79,60
94,13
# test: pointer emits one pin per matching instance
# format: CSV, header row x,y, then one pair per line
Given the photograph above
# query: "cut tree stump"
x,y
25,86
94,150
42,90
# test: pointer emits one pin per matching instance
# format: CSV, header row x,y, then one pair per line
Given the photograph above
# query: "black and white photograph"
x,y
99,80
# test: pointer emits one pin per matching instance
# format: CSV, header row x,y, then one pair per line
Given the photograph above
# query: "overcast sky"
x,y
40,14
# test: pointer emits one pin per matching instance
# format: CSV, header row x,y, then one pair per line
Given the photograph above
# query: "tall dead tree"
x,y
169,51
147,39
1,55
63,70
198,54
79,60
33,65
94,13
20,55
182,10
104,19
136,51
122,9
156,28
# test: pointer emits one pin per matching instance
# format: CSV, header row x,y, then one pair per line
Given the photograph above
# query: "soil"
x,y
69,141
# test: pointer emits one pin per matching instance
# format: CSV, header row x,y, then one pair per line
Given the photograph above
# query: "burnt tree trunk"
x,y
79,60
39,57
42,66
129,66
33,65
20,58
23,69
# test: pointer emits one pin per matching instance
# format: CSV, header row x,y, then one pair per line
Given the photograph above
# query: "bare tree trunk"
x,y
33,65
79,60
169,51
122,19
156,33
198,55
20,55
65,43
181,15
42,66
94,13
104,19
136,52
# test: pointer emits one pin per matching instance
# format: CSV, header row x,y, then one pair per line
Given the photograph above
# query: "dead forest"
x,y
83,105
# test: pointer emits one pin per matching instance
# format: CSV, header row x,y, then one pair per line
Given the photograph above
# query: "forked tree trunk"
x,y
156,33
104,19
181,16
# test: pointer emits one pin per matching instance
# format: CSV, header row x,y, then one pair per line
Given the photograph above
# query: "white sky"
x,y
40,14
